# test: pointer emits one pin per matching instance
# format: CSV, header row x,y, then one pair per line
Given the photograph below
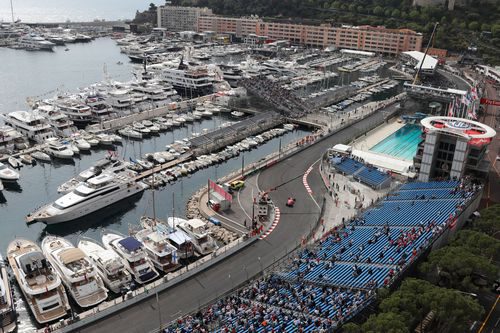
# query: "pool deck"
x,y
361,148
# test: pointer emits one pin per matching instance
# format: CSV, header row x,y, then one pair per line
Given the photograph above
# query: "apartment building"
x,y
178,18
366,38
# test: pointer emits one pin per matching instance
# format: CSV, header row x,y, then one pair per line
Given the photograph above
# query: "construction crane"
x,y
416,78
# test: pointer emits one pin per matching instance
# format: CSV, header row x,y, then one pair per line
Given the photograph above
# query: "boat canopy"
x,y
130,244
71,255
33,259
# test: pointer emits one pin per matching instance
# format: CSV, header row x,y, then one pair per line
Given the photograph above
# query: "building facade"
x,y
178,18
366,38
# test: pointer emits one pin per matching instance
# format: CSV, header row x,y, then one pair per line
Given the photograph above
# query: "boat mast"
x,y
12,11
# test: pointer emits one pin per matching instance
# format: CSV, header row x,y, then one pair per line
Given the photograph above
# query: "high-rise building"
x,y
178,18
453,147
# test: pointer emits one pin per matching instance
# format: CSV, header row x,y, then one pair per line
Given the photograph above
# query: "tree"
x,y
478,243
414,14
474,25
396,13
485,27
378,11
489,222
386,322
351,328
454,266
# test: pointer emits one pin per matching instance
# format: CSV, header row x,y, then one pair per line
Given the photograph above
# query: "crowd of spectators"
x,y
284,100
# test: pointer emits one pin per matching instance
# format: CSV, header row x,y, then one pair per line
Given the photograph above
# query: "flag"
x,y
473,92
450,108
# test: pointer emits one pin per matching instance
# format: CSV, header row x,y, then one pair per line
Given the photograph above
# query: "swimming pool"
x,y
401,144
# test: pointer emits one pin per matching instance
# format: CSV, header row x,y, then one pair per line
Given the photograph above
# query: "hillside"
x,y
472,22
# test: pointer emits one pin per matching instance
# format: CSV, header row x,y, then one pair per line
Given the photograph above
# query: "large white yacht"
x,y
109,265
39,283
163,254
29,124
7,175
186,80
133,256
60,122
86,174
198,231
96,193
7,308
178,238
78,112
76,271
32,42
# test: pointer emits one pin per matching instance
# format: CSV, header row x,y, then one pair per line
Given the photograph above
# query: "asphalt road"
x,y
295,222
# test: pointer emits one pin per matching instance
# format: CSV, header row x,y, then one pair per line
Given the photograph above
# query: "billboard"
x,y
213,186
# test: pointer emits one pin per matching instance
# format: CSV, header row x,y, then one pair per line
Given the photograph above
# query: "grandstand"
x,y
361,172
328,283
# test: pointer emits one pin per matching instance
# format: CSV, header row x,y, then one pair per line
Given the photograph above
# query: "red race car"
x,y
290,202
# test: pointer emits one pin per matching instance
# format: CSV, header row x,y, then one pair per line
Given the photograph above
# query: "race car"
x,y
290,202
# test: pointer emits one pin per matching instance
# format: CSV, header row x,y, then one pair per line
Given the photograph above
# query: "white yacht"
x,y
96,193
57,149
32,42
83,176
129,132
7,175
162,254
8,139
39,283
79,113
109,265
178,238
30,124
198,231
121,101
76,271
7,307
60,122
133,256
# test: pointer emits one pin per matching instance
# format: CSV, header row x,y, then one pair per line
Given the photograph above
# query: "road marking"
x,y
276,220
241,206
306,184
488,316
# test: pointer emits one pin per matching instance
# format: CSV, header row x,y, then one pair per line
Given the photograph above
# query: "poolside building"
x,y
453,147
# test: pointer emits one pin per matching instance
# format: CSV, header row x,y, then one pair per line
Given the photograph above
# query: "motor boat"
x,y
14,162
198,231
94,194
8,322
162,254
178,238
133,256
76,271
41,156
81,144
7,175
58,150
40,284
109,265
26,159
83,176
129,132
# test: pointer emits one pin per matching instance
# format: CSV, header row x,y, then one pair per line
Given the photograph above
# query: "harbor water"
x,y
38,184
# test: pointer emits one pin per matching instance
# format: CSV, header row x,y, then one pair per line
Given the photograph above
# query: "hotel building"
x,y
178,18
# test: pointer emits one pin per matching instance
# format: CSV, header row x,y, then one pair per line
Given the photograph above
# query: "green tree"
x,y
378,11
396,13
474,25
453,267
485,27
414,14
386,322
489,222
478,243
351,328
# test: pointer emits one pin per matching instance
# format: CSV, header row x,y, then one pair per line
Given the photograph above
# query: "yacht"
x,y
162,254
178,238
8,138
38,281
186,80
60,122
7,308
133,256
7,175
79,113
83,176
57,149
109,265
32,125
130,133
32,42
96,193
121,101
76,271
198,231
